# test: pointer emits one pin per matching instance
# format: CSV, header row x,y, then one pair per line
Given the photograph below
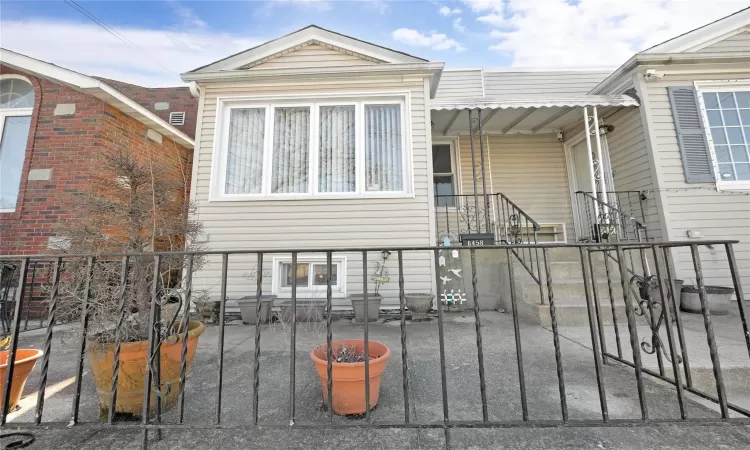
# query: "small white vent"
x,y
177,118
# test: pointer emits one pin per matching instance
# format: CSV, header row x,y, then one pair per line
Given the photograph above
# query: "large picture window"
x,y
298,150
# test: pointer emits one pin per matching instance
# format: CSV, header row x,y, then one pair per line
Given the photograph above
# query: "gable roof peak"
x,y
247,58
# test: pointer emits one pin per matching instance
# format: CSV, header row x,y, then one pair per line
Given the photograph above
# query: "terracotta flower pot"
x,y
349,378
132,373
23,365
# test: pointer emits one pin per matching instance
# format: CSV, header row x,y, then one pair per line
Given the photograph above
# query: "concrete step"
x,y
569,315
571,292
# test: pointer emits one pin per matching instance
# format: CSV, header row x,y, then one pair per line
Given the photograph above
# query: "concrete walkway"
x,y
503,392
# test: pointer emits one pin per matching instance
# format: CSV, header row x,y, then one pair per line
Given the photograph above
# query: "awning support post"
x,y
473,171
602,180
590,154
484,177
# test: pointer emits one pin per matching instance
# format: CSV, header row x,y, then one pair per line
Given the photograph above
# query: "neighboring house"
x,y
319,140
53,122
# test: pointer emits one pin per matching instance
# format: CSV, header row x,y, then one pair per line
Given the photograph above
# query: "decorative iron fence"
x,y
599,221
163,332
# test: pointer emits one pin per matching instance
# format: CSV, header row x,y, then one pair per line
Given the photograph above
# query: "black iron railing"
x,y
600,221
161,332
456,215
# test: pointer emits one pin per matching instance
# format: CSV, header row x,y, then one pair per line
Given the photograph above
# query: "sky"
x,y
151,42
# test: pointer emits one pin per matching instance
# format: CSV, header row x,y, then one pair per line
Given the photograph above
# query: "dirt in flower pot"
x,y
350,355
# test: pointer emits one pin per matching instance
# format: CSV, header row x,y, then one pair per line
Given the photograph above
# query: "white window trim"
x,y
359,99
307,291
720,86
455,166
14,112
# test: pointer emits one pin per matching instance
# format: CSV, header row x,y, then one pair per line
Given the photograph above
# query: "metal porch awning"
x,y
529,115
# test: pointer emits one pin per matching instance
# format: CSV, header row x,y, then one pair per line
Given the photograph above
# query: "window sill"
x,y
733,186
7,211
311,197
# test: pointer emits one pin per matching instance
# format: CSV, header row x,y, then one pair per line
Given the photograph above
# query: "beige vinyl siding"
x,y
456,84
313,56
738,43
530,170
316,224
631,168
514,84
697,206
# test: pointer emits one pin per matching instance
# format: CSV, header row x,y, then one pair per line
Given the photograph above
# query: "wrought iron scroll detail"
x,y
643,288
514,229
166,332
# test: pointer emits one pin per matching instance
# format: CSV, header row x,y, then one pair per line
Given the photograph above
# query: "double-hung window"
x,y
315,149
728,115
16,104
442,174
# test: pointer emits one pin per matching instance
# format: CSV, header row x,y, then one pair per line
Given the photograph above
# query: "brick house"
x,y
52,121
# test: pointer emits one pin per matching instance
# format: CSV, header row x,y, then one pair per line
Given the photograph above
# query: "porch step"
x,y
571,292
569,315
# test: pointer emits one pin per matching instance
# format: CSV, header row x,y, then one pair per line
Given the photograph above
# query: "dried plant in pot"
x,y
348,373
138,203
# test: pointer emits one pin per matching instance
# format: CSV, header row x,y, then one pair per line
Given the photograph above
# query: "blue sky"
x,y
169,37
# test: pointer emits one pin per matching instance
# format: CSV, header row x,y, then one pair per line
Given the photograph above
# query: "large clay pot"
x,y
349,378
132,373
22,367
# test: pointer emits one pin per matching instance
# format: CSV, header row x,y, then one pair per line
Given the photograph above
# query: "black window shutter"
x,y
696,159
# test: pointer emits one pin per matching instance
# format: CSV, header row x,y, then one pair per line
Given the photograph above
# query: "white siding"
x,y
312,56
514,84
738,43
460,84
307,224
530,170
631,167
697,206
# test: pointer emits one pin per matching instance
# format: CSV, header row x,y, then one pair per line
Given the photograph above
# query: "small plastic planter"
x,y
717,297
248,308
373,306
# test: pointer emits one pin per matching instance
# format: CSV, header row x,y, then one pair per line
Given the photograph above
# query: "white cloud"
x,y
314,5
435,41
89,49
379,6
188,16
590,32
458,26
446,11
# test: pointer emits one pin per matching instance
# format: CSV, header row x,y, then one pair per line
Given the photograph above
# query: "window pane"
x,y
731,118
718,136
743,99
709,98
444,190
726,172
383,149
441,159
245,151
726,100
16,93
319,275
291,145
745,116
336,166
739,153
743,171
722,153
12,153
303,278
734,134
714,118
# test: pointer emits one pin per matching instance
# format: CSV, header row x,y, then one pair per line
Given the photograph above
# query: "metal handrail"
x,y
623,214
521,211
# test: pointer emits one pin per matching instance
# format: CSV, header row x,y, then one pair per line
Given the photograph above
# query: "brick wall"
x,y
177,98
68,145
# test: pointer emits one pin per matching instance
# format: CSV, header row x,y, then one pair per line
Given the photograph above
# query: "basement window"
x,y
177,118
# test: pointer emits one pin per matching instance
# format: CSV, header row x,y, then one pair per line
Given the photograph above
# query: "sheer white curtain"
x,y
336,164
245,152
383,148
291,150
